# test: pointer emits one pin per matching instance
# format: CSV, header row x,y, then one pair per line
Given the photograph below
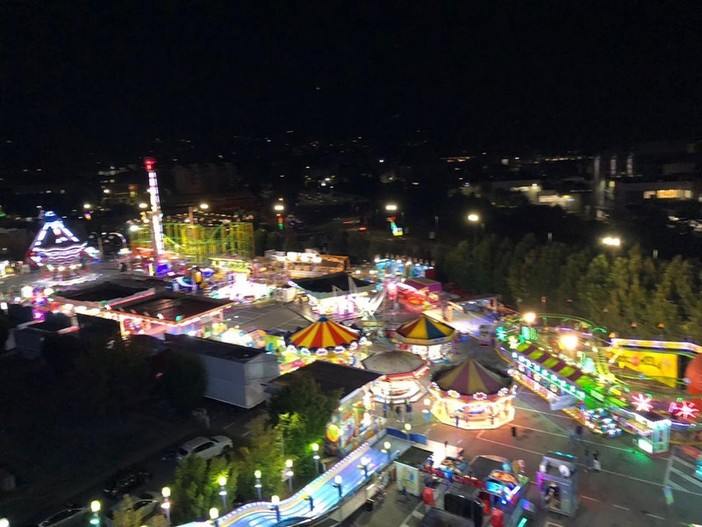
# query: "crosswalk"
x,y
679,476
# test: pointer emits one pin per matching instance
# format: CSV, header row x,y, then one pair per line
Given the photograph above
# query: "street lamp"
x,y
473,217
386,448
408,429
529,317
87,206
95,507
315,449
337,484
214,514
364,465
204,206
391,207
275,506
310,499
289,473
222,481
4,522
612,241
166,505
259,487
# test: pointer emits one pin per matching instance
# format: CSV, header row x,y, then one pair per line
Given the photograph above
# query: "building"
x,y
236,374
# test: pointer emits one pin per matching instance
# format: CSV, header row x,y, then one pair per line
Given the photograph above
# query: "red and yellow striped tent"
x,y
324,334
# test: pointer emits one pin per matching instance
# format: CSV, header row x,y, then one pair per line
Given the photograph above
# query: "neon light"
x,y
686,410
642,402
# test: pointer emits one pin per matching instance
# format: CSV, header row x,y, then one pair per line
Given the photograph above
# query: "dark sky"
x,y
110,75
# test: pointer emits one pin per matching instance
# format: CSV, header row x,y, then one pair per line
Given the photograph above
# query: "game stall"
x,y
557,481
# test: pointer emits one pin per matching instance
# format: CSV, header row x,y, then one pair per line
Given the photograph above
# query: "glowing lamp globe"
x,y
693,373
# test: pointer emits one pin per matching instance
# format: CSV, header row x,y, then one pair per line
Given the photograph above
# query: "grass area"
x,y
48,447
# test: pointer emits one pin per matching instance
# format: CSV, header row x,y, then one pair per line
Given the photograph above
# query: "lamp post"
x,y
337,484
386,448
279,209
315,456
289,473
613,242
95,507
166,505
275,506
4,522
408,429
364,465
222,481
310,499
474,219
259,487
214,514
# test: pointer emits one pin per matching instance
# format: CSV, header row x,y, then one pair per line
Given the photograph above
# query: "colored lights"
x,y
684,409
642,402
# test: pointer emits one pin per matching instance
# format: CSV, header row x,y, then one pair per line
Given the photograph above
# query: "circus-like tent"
x,y
427,337
472,396
403,375
324,334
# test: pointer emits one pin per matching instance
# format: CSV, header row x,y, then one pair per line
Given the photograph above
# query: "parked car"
x,y
204,447
144,504
126,481
71,514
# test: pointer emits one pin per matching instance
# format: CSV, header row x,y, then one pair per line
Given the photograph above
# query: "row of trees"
x,y
297,417
628,293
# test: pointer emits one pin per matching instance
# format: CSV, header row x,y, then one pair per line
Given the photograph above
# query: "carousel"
x,y
473,397
324,340
427,337
404,376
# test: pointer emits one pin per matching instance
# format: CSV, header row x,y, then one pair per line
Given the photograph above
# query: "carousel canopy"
x,y
324,333
471,377
425,331
390,362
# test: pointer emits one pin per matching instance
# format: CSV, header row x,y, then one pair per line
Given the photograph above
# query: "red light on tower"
x,y
149,163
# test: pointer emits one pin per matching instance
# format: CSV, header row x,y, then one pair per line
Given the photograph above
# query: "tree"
x,y
264,453
108,380
196,487
184,380
125,515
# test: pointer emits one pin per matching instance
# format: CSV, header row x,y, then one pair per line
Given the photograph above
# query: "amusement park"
x,y
439,391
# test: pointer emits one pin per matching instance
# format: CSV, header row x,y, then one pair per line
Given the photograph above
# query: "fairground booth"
x,y
429,338
338,294
419,294
405,376
354,422
472,396
557,480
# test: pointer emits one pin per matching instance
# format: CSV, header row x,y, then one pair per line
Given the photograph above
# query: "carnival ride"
x,y
327,491
572,363
55,245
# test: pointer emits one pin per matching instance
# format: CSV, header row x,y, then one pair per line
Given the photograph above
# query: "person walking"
x,y
596,461
588,460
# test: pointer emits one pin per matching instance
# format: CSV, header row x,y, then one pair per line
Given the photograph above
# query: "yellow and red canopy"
x,y
323,334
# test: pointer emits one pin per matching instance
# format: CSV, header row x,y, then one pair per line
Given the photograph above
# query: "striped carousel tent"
x,y
324,334
469,378
425,331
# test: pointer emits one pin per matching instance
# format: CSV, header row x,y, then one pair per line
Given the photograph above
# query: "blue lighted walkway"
x,y
324,494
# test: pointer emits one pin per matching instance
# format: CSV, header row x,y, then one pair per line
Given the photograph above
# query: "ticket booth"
x,y
557,480
652,433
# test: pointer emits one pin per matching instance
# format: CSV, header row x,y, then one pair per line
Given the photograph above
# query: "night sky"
x,y
112,75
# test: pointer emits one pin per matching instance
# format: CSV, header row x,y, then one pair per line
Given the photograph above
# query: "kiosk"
x,y
557,480
653,433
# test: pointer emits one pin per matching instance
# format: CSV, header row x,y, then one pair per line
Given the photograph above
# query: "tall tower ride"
x,y
155,213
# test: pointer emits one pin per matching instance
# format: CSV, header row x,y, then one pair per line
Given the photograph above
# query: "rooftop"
x,y
172,307
414,456
213,348
103,292
330,377
329,283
